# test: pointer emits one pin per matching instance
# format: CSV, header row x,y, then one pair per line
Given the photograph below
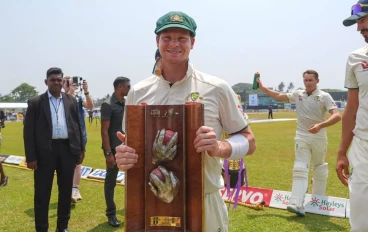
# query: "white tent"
x,y
13,105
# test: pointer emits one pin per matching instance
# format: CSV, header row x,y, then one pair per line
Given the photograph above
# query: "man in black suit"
x,y
53,140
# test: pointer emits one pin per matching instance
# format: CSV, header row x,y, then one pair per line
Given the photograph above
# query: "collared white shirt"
x,y
311,110
357,78
59,126
222,110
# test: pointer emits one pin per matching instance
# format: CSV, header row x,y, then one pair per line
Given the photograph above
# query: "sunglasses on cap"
x,y
357,8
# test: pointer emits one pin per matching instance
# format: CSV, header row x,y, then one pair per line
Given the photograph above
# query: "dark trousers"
x,y
61,160
90,119
270,115
110,183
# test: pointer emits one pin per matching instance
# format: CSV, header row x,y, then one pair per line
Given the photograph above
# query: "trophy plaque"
x,y
164,190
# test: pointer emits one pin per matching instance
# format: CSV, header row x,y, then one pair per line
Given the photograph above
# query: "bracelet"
x,y
239,146
86,93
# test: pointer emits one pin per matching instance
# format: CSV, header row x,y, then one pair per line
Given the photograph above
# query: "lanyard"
x,y
56,110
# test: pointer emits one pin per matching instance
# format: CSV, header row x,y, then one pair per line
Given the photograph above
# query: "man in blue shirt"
x,y
83,102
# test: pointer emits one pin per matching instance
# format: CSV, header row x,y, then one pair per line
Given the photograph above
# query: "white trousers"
x,y
216,213
358,185
308,152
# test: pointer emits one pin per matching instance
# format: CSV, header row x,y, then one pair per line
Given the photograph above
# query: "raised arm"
x,y
274,94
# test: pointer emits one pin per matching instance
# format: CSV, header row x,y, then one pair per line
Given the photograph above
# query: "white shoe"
x,y
77,195
74,198
297,210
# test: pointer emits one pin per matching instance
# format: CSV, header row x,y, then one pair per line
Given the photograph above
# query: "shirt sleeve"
x,y
329,102
291,96
231,113
350,78
106,111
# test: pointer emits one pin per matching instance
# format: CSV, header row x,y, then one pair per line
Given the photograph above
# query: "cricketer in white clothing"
x,y
355,125
178,82
312,104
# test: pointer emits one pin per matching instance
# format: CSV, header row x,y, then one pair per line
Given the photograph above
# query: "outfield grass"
x,y
270,167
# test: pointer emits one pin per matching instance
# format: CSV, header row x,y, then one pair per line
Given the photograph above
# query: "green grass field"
x,y
270,167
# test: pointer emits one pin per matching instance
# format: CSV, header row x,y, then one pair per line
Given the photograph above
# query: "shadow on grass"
x,y
106,227
120,212
311,222
52,206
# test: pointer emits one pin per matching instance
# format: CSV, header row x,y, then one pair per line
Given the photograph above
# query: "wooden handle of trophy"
x,y
135,203
195,170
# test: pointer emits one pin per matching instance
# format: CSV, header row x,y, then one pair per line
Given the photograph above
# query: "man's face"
x,y
54,83
362,26
175,45
124,88
310,81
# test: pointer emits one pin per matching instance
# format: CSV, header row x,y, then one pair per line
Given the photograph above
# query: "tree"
x,y
98,102
7,98
23,92
281,87
290,87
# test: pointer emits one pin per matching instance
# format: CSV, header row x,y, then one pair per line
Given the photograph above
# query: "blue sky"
x,y
101,40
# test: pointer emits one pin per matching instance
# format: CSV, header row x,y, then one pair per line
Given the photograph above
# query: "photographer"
x,y
71,86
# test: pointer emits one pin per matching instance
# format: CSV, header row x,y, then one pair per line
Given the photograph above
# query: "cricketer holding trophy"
x,y
180,83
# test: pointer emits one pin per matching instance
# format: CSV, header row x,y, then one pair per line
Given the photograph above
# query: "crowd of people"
x,y
55,135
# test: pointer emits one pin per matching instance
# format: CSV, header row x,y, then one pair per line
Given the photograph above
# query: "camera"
x,y
78,81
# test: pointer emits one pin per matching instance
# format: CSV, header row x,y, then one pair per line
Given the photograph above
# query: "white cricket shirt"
x,y
221,108
357,78
311,110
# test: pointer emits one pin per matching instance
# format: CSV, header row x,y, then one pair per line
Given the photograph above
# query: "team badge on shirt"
x,y
300,98
194,96
317,98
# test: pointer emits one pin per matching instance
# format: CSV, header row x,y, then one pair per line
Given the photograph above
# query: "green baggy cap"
x,y
176,19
